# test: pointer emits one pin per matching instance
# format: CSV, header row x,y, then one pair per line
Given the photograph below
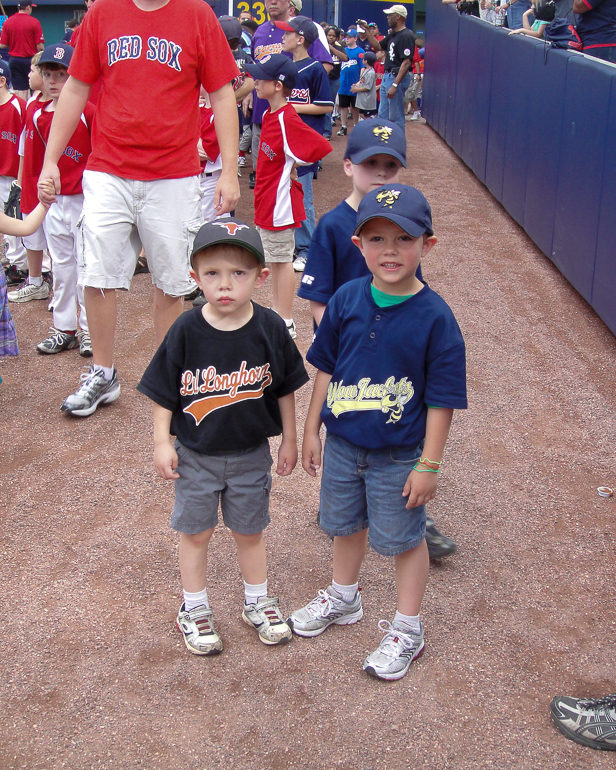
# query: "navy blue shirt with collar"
x,y
387,365
597,27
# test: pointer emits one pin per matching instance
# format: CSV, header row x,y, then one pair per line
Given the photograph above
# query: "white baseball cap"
x,y
399,9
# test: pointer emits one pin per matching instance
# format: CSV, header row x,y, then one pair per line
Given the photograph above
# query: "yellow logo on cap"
x,y
388,197
382,132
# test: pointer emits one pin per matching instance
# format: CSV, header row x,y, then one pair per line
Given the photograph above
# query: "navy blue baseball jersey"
x,y
387,365
333,258
311,87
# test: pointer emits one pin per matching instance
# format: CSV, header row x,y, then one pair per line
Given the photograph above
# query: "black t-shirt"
x,y
335,71
399,45
223,387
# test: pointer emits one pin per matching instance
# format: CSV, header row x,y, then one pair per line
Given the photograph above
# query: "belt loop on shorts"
x,y
209,173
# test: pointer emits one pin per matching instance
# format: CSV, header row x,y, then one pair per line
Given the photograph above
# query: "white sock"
x,y
252,593
412,621
106,370
195,600
35,281
347,592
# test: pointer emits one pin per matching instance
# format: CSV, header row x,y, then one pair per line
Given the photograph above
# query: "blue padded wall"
x,y
536,126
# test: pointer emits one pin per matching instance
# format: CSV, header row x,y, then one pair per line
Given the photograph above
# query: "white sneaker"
x,y
28,292
394,655
198,630
291,329
94,390
241,161
299,263
266,618
416,115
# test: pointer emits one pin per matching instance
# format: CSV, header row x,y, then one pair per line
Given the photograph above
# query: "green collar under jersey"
x,y
387,300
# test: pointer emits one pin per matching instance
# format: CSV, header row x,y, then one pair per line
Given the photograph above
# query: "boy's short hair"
x,y
36,58
59,53
229,230
403,205
375,137
275,66
302,25
5,71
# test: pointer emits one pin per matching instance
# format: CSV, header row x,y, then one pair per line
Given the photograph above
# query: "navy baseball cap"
x,y
401,204
231,27
59,53
373,137
275,66
302,25
229,230
5,71
370,58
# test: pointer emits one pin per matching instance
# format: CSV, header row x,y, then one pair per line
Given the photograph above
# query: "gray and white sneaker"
x,y
266,618
588,721
198,630
327,608
28,291
85,344
291,329
299,263
94,390
57,342
394,655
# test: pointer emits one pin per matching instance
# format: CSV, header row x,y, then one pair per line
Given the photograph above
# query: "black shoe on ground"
x,y
252,179
14,277
438,544
589,722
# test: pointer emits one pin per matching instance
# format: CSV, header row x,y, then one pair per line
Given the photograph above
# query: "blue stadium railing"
x,y
537,127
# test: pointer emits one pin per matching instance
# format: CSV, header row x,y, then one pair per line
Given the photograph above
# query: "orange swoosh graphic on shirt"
x,y
204,406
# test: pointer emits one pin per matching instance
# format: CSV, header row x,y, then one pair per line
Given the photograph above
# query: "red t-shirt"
x,y
209,140
152,63
22,33
72,162
379,71
285,140
12,122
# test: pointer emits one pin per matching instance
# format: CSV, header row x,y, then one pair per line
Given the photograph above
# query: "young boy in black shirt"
x,y
223,382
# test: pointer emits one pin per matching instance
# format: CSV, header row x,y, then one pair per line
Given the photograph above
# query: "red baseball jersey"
x,y
22,34
29,177
152,64
12,122
285,141
72,162
209,139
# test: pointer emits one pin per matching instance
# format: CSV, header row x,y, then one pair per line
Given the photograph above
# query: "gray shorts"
x,y
278,245
241,482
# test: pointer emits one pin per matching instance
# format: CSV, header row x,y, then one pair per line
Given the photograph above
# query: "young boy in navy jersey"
x,y
223,381
285,142
391,370
312,98
375,153
60,225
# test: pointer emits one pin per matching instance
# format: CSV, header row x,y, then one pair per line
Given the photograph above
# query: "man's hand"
x,y
51,173
227,193
392,92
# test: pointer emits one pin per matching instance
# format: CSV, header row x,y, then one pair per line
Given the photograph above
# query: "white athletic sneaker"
x,y
416,115
266,618
327,608
94,390
28,292
198,630
394,655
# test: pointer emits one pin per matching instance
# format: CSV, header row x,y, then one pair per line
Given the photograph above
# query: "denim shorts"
x,y
240,482
362,488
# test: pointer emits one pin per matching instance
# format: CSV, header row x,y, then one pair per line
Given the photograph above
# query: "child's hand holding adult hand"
x,y
166,461
420,488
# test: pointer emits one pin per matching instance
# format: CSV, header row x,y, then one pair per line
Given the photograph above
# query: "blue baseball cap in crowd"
x,y
231,27
351,33
59,53
401,204
302,25
370,58
5,71
229,230
375,136
275,66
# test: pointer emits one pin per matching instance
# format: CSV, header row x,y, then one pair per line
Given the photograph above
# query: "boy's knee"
x,y
200,540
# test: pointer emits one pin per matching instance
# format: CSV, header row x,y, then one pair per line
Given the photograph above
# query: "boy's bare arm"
x,y
287,454
421,484
71,104
224,107
165,456
311,446
312,109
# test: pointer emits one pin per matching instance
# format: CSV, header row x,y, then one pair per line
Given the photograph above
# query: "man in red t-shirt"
x,y
23,36
142,178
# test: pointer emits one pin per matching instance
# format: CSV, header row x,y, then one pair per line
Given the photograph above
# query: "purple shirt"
x,y
267,39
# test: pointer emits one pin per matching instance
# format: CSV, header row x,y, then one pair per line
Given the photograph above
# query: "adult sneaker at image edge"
x,y
394,655
198,630
327,608
28,291
57,342
439,545
587,721
94,390
299,263
266,618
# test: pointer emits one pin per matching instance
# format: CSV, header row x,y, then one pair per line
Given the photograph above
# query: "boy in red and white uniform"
x,y
143,172
12,121
286,141
60,225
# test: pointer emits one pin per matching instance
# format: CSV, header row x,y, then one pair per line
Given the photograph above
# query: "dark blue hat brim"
x,y
414,229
